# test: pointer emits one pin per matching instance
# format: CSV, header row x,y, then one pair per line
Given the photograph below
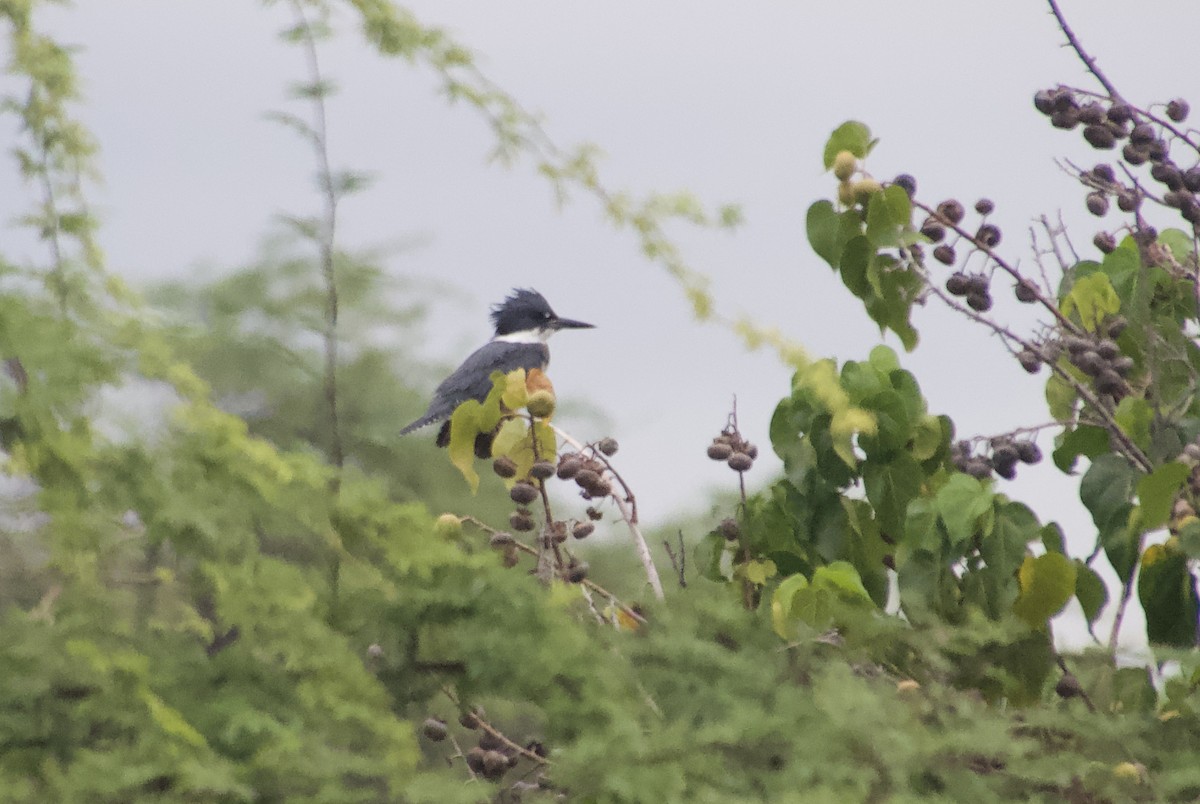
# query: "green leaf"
x,y
893,429
1052,538
928,438
1156,493
1086,440
464,427
1189,537
1133,690
1005,547
890,487
1092,298
823,226
710,553
899,203
841,577
1134,416
960,503
781,605
1179,242
1060,398
1091,591
883,359
758,572
856,257
1167,591
1047,583
1122,266
1107,489
883,231
850,136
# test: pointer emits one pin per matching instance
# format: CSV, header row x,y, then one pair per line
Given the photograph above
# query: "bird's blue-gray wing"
x,y
472,380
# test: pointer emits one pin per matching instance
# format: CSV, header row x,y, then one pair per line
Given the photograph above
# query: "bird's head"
x,y
525,317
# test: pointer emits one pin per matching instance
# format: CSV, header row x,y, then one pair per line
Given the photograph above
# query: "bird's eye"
x,y
545,316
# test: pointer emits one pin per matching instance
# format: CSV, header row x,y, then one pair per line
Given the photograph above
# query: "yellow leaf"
x,y
757,572
515,393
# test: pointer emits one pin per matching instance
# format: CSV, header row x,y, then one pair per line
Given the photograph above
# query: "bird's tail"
x,y
424,421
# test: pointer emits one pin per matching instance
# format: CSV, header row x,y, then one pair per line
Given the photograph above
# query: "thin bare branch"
x,y
1087,60
627,513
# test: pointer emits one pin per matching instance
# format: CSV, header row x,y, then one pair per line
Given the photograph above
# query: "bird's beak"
x,y
567,323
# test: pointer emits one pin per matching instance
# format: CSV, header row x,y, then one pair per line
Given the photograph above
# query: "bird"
x,y
523,323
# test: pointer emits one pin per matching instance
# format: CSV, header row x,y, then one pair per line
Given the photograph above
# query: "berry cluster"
x,y
734,450
942,227
492,756
589,473
1100,359
1001,455
1107,122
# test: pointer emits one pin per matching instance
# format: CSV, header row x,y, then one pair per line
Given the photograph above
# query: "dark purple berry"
x,y
434,729
1100,137
1178,110
740,462
977,283
1025,292
1104,172
1029,361
1142,134
979,302
1166,173
1066,119
951,211
1028,452
1133,154
1105,242
1043,101
523,493
957,284
1120,113
719,451
988,236
1097,204
984,206
1191,179
934,230
907,183
944,254
1092,114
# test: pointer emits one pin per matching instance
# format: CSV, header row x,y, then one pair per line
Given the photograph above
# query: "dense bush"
x,y
264,609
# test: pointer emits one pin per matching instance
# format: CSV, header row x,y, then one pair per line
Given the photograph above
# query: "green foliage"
x,y
856,242
254,609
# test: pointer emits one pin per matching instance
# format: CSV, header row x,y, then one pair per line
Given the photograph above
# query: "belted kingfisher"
x,y
523,322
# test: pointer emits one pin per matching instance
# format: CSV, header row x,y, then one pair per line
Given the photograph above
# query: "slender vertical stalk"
x,y
325,238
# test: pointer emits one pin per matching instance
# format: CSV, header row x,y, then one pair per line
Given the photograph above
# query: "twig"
x,y
1126,595
678,560
630,497
458,754
1062,665
524,548
639,541
325,240
1087,60
1131,450
499,735
547,542
1011,270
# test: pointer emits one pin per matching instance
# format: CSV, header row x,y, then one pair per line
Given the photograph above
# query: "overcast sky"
x,y
730,101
